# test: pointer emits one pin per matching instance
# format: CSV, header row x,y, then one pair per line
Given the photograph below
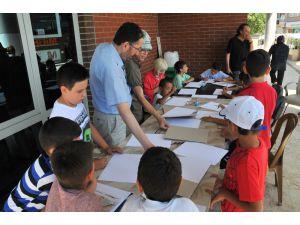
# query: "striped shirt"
x,y
31,193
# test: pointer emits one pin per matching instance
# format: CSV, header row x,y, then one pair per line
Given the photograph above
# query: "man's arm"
x,y
102,143
133,125
227,63
138,91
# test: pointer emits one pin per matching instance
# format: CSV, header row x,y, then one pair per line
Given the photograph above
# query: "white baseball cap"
x,y
246,112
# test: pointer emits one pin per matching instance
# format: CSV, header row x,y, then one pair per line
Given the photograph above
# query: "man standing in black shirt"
x,y
237,50
279,53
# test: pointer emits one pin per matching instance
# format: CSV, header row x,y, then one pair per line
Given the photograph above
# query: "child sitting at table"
x,y
73,190
152,78
215,73
181,78
244,180
244,82
166,89
158,180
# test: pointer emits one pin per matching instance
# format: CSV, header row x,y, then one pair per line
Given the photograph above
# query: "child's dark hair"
x,y
245,78
179,65
241,28
254,129
57,131
216,66
70,73
72,162
159,173
163,82
257,63
130,32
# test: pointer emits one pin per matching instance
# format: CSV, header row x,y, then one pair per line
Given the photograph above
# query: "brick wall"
x,y
101,27
200,39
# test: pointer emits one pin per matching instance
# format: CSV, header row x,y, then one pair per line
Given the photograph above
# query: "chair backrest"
x,y
291,123
280,103
278,88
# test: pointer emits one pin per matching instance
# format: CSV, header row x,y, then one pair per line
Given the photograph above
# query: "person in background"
x,y
158,180
279,53
134,80
166,89
215,73
237,50
181,78
74,188
153,77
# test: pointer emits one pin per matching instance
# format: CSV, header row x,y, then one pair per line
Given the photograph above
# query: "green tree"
x,y
257,22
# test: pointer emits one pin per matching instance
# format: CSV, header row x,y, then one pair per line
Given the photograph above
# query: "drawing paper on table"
x,y
194,84
205,96
224,84
177,101
183,122
121,168
206,153
180,112
202,113
219,92
117,196
156,139
187,134
193,169
211,105
187,91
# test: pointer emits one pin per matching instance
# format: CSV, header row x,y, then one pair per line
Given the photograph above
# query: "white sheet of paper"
x,y
224,84
193,169
121,168
187,91
219,92
184,122
211,106
205,96
205,153
179,112
156,139
210,81
194,84
117,196
178,101
202,113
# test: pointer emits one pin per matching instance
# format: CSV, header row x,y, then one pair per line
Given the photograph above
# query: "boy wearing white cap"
x,y
244,180
134,80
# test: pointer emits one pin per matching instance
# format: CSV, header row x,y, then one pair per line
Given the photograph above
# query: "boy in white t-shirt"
x,y
72,79
159,178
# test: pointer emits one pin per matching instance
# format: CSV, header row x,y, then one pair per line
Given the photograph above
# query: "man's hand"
x,y
111,149
163,124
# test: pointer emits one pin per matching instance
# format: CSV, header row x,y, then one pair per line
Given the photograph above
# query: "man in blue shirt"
x,y
215,73
110,91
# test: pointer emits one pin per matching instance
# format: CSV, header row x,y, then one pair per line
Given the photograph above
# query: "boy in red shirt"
x,y
257,66
244,180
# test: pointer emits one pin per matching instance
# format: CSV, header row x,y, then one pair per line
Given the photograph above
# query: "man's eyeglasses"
x,y
138,49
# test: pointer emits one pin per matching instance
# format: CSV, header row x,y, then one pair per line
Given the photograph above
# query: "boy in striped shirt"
x,y
31,193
